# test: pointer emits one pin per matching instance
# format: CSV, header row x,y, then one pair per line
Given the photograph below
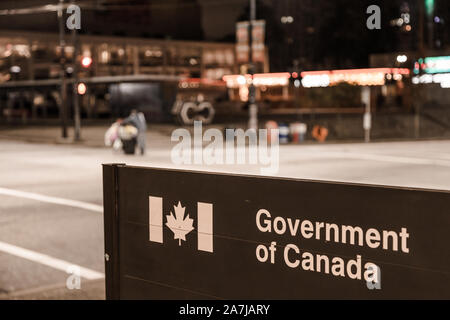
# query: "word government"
x,y
231,150
293,257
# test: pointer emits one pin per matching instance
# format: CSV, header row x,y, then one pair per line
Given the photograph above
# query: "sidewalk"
x,y
91,136
158,135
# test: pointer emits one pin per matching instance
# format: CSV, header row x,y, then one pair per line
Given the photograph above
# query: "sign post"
x,y
250,50
367,119
173,234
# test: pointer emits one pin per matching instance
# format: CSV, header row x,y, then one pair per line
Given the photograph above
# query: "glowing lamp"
x,y
86,62
81,88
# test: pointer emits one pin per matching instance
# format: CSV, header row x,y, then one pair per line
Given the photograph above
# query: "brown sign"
x,y
242,40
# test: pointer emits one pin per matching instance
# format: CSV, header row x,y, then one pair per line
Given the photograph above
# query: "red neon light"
x,y
283,75
356,71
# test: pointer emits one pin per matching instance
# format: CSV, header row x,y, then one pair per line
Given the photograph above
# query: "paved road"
x,y
51,198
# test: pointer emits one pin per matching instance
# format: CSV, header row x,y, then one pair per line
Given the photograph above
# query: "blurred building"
x,y
37,56
176,19
299,25
322,34
30,70
306,35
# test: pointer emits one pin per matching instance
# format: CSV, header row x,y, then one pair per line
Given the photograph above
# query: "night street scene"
x,y
246,150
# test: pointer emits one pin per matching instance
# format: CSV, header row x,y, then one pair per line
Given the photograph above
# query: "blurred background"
x,y
358,96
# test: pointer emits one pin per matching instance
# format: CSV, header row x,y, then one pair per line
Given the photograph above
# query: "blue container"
x,y
284,133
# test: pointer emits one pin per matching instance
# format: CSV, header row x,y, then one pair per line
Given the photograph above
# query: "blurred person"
x,y
112,138
137,119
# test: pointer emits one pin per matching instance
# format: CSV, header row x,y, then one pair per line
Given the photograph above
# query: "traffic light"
x,y
81,88
295,79
86,62
429,7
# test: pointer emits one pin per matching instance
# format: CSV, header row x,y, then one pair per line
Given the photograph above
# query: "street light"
x,y
402,58
81,88
287,19
86,62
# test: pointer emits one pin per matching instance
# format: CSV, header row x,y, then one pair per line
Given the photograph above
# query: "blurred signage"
x,y
439,78
326,78
242,39
259,80
359,77
433,65
173,234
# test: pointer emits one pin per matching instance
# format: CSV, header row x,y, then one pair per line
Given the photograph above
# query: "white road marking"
x,y
389,158
327,155
43,258
49,199
49,261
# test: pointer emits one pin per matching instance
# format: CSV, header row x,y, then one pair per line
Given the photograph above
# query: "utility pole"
x,y
253,107
430,32
63,106
418,103
75,97
367,118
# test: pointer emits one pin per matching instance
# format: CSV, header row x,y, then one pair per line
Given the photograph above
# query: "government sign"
x,y
173,234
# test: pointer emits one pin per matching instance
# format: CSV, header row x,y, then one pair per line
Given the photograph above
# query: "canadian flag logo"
x,y
180,223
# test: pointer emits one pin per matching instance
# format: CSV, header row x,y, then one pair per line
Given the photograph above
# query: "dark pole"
x,y
421,28
430,28
75,97
253,107
63,106
421,56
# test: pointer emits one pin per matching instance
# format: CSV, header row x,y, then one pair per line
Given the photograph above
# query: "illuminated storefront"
x,y
434,70
359,77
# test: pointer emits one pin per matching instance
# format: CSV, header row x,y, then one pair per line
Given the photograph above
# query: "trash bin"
x,y
129,146
298,132
128,136
284,133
